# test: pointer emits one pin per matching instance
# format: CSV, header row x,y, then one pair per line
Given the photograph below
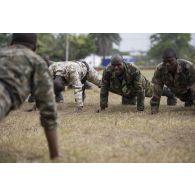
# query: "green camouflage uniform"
x,y
74,72
182,84
5,101
131,84
22,72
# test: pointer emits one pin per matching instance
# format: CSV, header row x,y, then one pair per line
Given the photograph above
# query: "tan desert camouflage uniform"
x,y
74,72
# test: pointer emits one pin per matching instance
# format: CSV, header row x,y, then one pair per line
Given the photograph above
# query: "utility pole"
x,y
93,60
67,47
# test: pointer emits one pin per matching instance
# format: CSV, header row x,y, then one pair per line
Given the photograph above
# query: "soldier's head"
x,y
118,64
170,59
27,39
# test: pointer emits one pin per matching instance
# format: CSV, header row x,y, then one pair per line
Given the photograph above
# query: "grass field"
x,y
121,134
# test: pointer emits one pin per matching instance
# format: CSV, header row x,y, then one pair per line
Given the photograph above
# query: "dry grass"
x,y
121,134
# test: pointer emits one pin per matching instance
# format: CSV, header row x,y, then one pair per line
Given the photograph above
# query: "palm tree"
x,y
104,42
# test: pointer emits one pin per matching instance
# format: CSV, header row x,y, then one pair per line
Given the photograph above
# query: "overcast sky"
x,y
139,41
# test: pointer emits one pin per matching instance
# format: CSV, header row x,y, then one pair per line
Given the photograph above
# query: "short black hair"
x,y
169,52
27,39
116,58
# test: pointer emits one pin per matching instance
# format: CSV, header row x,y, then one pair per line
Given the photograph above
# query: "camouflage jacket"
x,y
183,80
74,72
132,83
22,71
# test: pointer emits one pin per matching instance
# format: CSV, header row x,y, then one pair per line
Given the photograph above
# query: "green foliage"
x,y
5,39
178,41
54,45
124,53
80,47
59,48
143,60
46,44
104,42
190,55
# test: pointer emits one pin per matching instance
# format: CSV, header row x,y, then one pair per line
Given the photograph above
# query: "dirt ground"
x,y
120,134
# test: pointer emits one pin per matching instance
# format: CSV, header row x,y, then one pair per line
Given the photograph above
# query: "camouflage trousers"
x,y
131,100
171,99
188,97
5,101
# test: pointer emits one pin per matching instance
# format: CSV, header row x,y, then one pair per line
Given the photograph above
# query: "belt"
x,y
87,66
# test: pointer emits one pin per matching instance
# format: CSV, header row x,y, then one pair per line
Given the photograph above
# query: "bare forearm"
x,y
52,141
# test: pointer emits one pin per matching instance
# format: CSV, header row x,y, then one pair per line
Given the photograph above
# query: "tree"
x,y
80,46
104,42
54,45
5,39
178,41
46,44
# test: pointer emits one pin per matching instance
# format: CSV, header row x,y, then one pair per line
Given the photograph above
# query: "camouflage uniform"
x,y
76,73
5,101
182,84
23,71
131,84
31,97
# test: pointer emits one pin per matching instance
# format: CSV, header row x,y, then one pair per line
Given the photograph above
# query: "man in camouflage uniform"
x,y
74,73
22,72
178,75
31,97
126,80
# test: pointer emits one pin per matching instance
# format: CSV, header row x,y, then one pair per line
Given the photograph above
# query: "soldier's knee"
x,y
128,100
171,101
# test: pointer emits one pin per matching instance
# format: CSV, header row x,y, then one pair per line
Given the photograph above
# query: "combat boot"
x,y
188,103
171,101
